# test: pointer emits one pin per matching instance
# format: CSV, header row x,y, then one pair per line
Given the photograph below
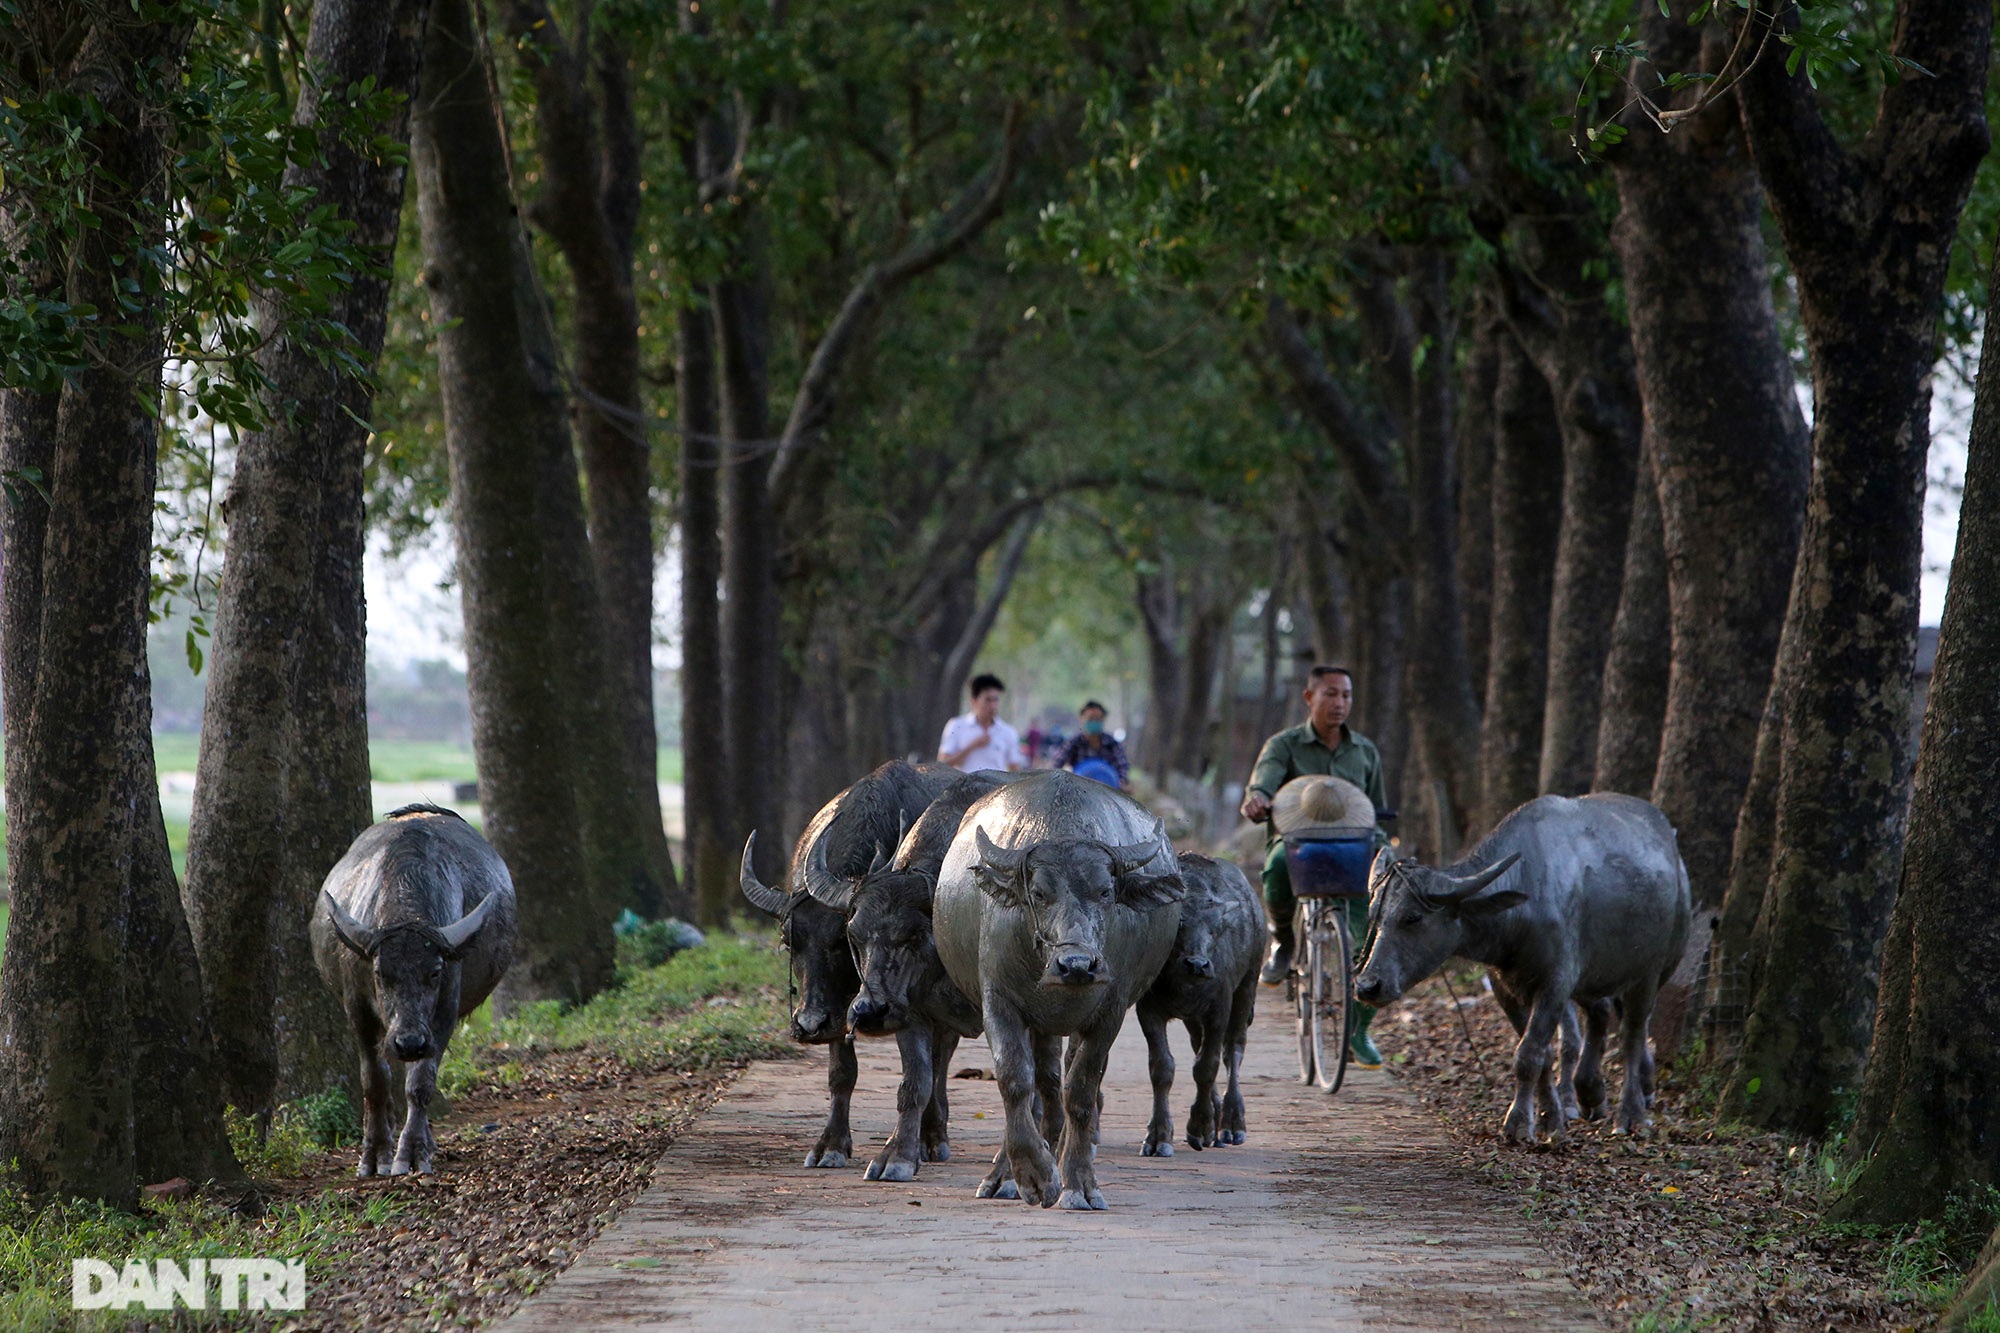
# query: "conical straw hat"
x,y
1321,805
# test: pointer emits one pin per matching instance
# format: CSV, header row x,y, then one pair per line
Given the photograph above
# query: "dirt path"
x,y
1341,1213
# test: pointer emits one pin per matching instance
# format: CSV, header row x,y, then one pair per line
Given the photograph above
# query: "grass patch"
x,y
36,1246
717,1004
388,760
300,1131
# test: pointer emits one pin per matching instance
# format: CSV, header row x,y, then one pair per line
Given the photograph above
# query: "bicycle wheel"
x,y
1320,948
1300,993
1337,1006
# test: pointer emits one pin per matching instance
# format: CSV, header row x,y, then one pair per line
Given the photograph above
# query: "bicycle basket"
x,y
1324,866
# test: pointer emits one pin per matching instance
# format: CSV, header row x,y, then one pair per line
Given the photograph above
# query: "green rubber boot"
x,y
1361,1052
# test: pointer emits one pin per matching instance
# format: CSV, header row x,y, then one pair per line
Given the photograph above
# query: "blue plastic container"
x,y
1097,770
1330,867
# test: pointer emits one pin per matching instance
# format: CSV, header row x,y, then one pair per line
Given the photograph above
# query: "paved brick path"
x,y
1341,1213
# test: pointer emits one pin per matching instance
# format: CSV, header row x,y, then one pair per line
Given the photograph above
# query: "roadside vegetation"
x,y
1707,1225
550,1121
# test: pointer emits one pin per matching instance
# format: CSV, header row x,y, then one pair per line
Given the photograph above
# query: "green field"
x,y
388,760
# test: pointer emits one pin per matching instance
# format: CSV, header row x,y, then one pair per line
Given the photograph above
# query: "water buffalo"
x,y
1583,898
1210,984
413,929
1057,905
904,990
840,842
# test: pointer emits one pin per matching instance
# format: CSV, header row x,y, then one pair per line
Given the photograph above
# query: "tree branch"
x,y
959,663
977,205
1368,462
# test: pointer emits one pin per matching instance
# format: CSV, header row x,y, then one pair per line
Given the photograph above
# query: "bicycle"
x,y
1326,870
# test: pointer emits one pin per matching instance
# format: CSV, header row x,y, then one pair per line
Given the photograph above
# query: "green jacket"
x,y
1298,752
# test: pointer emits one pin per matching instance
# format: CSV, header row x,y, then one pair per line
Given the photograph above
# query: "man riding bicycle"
x,y
1324,746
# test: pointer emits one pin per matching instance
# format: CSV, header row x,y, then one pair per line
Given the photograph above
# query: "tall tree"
x,y
1868,232
1527,488
108,1074
515,503
588,155
1637,667
1728,445
1929,1115
283,784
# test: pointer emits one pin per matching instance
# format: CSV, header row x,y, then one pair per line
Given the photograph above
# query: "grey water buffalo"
x,y
412,930
1057,905
840,842
904,990
1210,984
1569,898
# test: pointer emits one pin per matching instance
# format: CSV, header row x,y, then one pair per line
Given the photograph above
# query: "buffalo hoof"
x,y
1231,1138
1156,1147
1081,1201
1003,1189
1639,1127
937,1152
830,1158
897,1170
1521,1130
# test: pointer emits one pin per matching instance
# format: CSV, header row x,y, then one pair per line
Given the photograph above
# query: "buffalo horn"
x,y
881,859
352,933
821,882
1126,859
1463,888
1005,860
460,932
761,895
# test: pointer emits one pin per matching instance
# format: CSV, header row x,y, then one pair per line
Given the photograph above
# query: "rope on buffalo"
x,y
1459,1005
1464,1025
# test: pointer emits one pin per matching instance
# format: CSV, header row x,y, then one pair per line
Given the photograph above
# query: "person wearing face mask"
x,y
1095,753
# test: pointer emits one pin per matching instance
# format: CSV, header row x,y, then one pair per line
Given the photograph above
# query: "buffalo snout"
x,y
874,1017
410,1046
814,1027
1197,965
1076,968
1371,990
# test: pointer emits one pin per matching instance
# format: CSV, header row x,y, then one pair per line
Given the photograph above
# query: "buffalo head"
x,y
1067,887
413,962
889,934
815,936
1420,918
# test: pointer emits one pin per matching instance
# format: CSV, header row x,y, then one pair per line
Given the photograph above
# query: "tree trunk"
x,y
1444,716
588,140
1162,613
750,621
282,787
1527,500
1637,667
704,752
1728,444
504,429
1586,355
109,1070
1869,237
1475,496
1929,1113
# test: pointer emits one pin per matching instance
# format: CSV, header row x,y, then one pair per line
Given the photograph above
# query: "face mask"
x,y
1094,727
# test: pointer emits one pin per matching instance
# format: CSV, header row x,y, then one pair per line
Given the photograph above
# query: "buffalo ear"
x,y
1145,892
1486,904
1005,887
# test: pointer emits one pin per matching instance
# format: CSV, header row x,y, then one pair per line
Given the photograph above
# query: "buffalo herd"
x,y
1039,909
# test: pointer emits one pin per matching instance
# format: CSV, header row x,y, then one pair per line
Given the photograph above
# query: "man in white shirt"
x,y
979,739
